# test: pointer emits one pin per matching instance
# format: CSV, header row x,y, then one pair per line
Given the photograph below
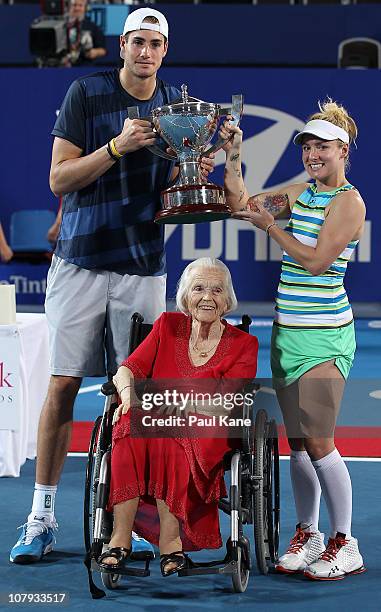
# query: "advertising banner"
x,y
276,105
29,281
9,378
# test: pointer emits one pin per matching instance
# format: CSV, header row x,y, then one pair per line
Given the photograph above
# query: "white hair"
x,y
183,286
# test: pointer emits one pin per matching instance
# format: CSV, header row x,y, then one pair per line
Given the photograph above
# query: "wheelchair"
x,y
253,498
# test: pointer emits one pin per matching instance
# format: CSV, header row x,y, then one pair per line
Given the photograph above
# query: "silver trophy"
x,y
188,127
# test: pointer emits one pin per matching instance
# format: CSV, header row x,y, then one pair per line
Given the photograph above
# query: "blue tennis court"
x,y
63,571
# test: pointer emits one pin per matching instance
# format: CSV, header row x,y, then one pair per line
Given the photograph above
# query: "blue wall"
x,y
228,34
276,104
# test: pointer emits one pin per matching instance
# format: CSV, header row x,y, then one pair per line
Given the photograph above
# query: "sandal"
x,y
178,557
119,553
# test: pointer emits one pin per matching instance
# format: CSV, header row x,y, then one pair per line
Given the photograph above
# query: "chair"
x,y
359,53
28,229
253,495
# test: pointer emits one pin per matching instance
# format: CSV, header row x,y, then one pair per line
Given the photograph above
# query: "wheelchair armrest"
x,y
108,388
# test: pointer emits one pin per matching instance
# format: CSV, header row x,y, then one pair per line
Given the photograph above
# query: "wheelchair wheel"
x,y
266,493
92,474
97,467
110,581
238,546
241,579
272,491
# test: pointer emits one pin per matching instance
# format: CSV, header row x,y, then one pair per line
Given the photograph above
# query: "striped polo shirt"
x,y
109,225
303,300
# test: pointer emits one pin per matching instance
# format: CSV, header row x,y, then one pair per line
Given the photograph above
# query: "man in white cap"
x,y
109,260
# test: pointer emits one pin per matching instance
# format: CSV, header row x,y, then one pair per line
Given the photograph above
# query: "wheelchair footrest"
x,y
127,571
198,569
142,555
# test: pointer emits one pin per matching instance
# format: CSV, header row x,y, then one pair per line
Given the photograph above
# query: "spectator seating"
x,y
28,229
359,53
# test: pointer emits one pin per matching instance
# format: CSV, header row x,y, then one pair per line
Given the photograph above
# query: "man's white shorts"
x,y
89,315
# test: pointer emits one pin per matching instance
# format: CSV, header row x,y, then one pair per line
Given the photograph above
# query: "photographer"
x,y
86,41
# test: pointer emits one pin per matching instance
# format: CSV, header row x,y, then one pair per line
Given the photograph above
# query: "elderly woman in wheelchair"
x,y
168,489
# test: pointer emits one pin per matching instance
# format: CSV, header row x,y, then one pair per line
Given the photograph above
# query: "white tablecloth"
x,y
33,379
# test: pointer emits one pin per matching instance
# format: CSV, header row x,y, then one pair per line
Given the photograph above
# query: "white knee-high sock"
x,y
336,487
306,488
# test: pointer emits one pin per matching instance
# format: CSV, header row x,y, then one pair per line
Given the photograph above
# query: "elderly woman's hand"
x,y
124,407
123,381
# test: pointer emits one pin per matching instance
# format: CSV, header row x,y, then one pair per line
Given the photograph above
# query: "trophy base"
x,y
193,214
193,204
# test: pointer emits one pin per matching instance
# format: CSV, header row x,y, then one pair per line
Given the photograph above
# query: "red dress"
x,y
187,473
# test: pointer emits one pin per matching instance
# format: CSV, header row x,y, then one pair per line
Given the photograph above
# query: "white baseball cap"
x,y
135,21
322,129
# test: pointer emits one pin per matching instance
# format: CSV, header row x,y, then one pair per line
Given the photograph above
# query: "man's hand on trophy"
x,y
207,164
136,134
170,151
232,134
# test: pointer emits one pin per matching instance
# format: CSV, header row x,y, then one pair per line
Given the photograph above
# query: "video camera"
x,y
48,39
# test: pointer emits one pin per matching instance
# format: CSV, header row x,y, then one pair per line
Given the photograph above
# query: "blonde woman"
x,y
313,340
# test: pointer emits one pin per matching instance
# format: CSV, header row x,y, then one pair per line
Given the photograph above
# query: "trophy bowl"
x,y
188,127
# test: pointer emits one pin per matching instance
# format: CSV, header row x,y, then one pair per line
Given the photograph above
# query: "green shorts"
x,y
295,351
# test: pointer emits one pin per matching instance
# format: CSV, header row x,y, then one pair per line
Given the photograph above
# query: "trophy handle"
x,y
235,110
133,113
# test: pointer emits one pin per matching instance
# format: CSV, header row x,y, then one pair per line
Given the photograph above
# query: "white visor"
x,y
322,129
135,21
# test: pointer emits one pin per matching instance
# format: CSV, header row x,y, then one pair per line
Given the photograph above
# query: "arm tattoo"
x,y
251,204
234,157
274,204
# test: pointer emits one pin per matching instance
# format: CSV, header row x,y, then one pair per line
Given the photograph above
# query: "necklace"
x,y
203,353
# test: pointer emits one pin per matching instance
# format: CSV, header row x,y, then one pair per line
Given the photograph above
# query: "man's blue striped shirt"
x,y
109,224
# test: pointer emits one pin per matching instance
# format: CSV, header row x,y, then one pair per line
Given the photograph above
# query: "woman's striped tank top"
x,y
303,300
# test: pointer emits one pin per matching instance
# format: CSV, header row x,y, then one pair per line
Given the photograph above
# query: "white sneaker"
x,y
341,558
305,547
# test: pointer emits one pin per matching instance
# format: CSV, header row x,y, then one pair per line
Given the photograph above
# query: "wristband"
x,y
114,149
111,154
269,227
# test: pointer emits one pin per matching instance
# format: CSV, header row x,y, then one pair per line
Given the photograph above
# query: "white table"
x,y
25,343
